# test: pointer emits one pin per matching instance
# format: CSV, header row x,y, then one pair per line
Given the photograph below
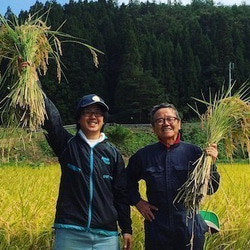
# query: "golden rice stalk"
x,y
32,42
226,118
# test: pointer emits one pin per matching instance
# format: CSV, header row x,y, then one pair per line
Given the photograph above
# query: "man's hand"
x,y
146,210
212,151
127,241
22,65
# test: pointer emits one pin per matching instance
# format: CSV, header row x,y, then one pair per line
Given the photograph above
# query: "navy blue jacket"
x,y
93,193
165,170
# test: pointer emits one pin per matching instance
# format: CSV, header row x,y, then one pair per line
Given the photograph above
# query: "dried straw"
x,y
32,42
227,118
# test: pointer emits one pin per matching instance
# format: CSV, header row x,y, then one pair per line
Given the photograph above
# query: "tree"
x,y
143,92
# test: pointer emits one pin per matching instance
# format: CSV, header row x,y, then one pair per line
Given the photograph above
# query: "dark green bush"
x,y
127,139
45,148
192,132
117,134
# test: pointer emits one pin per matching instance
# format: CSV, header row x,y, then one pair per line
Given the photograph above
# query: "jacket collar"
x,y
177,141
91,143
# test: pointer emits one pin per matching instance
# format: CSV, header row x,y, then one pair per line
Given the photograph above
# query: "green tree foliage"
x,y
135,97
152,53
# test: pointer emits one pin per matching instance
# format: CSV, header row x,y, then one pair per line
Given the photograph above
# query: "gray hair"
x,y
160,106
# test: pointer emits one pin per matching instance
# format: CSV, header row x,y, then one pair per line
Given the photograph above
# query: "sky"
x,y
18,5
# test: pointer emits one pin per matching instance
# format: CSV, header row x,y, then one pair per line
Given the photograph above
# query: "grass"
x,y
230,204
28,198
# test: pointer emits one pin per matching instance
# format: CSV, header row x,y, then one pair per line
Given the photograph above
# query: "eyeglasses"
x,y
161,121
89,113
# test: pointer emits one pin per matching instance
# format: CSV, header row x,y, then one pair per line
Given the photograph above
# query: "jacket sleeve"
x,y
214,181
57,136
134,173
121,200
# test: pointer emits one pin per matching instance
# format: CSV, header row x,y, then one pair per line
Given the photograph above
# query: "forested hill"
x,y
152,53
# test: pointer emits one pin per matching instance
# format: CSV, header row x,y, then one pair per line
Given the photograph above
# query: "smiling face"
x,y
91,121
166,125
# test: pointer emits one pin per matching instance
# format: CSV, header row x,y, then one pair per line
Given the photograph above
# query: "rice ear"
x,y
226,118
32,42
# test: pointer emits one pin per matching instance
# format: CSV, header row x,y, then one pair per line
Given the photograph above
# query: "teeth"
x,y
167,129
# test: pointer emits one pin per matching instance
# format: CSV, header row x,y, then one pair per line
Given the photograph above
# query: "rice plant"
x,y
231,207
34,43
28,200
226,118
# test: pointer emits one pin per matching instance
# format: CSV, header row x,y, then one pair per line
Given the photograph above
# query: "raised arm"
x,y
57,136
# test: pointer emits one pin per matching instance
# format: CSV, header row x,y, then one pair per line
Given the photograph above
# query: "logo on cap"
x,y
96,98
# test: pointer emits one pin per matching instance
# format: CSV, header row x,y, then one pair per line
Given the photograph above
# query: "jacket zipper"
x,y
90,188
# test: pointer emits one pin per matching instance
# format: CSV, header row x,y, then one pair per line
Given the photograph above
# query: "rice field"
x,y
28,197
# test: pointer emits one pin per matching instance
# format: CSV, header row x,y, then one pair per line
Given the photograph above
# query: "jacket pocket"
x,y
73,167
155,177
180,175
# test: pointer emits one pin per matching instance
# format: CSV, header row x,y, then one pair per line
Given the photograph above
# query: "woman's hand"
x,y
127,241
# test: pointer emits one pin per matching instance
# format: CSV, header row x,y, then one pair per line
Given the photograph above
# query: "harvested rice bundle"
x,y
227,118
32,42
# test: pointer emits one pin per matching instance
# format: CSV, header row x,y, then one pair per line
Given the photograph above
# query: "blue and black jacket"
x,y
93,193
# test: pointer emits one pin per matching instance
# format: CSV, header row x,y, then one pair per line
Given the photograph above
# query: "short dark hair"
x,y
160,106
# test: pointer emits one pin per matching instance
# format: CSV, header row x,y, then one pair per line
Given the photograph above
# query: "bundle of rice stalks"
x,y
226,118
32,42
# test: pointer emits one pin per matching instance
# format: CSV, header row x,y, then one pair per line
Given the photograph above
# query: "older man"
x,y
165,167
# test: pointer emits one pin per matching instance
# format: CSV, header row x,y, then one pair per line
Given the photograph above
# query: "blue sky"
x,y
18,5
